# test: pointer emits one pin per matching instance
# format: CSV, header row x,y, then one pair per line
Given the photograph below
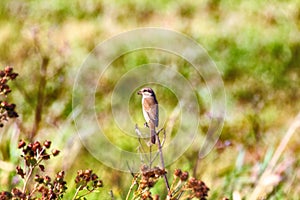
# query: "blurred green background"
x,y
255,44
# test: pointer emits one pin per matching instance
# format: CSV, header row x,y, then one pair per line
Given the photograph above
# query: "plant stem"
x,y
89,192
31,168
131,187
40,96
177,188
111,195
162,162
76,193
27,178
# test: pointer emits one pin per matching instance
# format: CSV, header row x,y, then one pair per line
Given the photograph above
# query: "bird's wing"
x,y
152,111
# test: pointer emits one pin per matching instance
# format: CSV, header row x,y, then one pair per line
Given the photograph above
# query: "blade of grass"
x,y
259,189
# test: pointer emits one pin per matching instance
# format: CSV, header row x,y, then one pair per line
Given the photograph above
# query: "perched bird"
x,y
150,110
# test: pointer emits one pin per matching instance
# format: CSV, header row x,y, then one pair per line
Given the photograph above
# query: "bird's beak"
x,y
139,92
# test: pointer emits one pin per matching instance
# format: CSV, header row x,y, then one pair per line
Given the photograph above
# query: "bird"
x,y
150,110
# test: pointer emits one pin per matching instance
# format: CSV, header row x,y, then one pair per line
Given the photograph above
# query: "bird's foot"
x,y
146,125
149,143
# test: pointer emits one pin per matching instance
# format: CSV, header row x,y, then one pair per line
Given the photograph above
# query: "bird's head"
x,y
146,92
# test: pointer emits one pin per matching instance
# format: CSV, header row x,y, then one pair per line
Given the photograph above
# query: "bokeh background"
x,y
255,45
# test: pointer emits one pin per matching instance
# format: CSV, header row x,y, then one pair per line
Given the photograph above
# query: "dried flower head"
x,y
177,172
184,176
188,187
7,110
198,187
86,179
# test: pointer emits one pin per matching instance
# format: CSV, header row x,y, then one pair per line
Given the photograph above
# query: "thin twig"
x,y
162,161
76,193
178,187
164,133
159,144
162,144
131,172
33,191
111,195
175,180
140,148
87,193
27,178
39,159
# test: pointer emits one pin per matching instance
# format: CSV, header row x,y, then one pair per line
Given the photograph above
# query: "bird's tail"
x,y
152,132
